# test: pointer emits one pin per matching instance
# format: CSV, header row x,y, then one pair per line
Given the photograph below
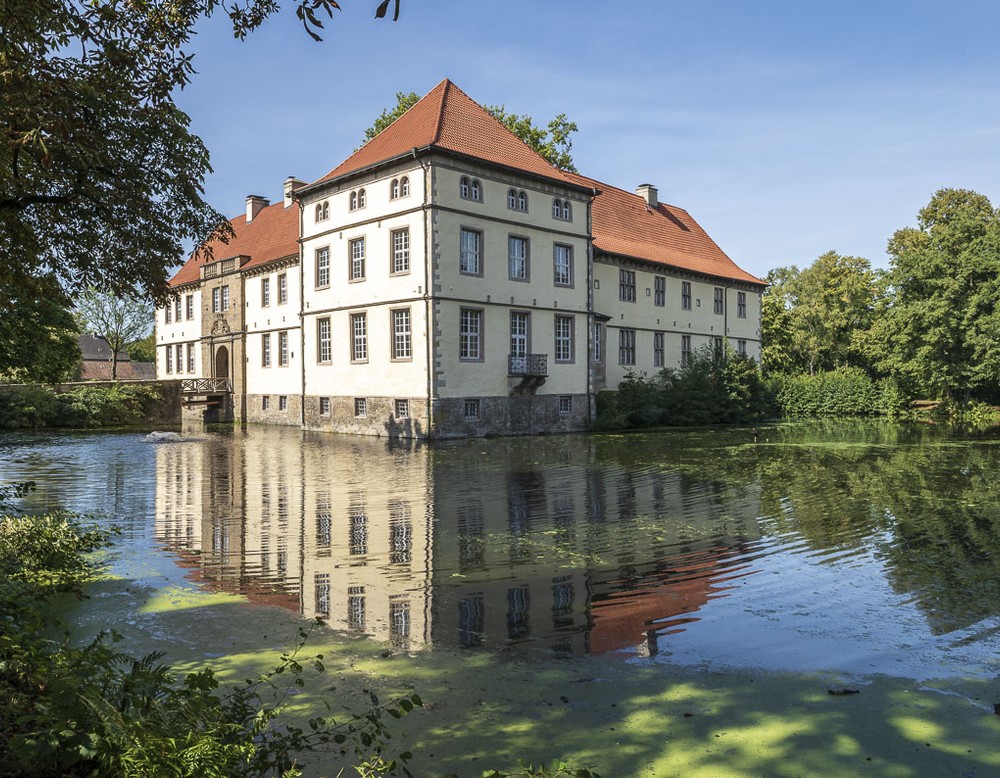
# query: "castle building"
x,y
447,281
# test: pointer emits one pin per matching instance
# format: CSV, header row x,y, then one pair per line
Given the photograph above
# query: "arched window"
x,y
323,210
522,201
566,213
511,199
557,208
404,187
394,189
354,201
361,198
477,191
463,188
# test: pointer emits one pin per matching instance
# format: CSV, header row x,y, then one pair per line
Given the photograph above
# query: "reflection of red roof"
x,y
625,225
448,119
273,234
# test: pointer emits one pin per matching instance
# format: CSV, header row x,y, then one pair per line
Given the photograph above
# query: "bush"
x,y
34,407
847,391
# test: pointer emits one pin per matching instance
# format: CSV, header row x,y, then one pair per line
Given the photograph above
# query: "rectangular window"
x,y
626,286
659,291
741,348
357,250
359,337
562,260
265,349
189,304
190,357
598,340
401,339
402,408
225,298
265,402
170,360
564,339
180,358
167,313
719,304
565,404
401,251
361,407
470,253
322,267
686,295
265,292
358,517
177,308
282,402
356,608
741,305
658,339
322,586
685,349
216,300
626,347
282,289
283,348
470,336
519,332
517,255
323,350
324,406
472,408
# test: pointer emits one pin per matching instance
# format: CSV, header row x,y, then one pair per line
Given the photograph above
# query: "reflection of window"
x,y
471,535
518,604
471,622
356,608
400,532
322,594
324,522
562,601
358,527
399,622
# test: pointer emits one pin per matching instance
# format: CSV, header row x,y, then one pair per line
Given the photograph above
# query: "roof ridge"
x,y
440,112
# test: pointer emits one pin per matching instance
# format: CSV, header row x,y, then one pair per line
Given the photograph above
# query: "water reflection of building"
x,y
534,542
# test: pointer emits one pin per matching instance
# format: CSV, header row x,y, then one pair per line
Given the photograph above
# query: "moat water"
x,y
857,547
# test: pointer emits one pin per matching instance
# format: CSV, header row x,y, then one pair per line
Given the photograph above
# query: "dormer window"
x,y
470,189
323,211
561,210
517,201
358,199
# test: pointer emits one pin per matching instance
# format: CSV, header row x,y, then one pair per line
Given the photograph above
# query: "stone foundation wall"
x,y
514,415
256,414
379,418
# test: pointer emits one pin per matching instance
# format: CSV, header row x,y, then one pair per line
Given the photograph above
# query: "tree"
x,y
119,320
38,334
938,330
776,313
553,143
143,350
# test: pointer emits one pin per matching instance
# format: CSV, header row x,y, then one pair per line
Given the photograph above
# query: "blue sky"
x,y
787,129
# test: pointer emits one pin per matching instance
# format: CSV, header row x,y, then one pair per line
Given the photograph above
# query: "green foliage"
x,y
557,769
404,102
847,391
38,335
144,349
119,319
93,710
34,407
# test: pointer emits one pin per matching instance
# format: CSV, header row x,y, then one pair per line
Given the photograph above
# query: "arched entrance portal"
x,y
222,362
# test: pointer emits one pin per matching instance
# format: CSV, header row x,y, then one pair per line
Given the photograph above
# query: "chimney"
x,y
255,204
291,184
648,193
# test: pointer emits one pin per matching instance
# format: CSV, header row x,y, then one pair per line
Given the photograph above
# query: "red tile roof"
x,y
273,234
625,225
448,119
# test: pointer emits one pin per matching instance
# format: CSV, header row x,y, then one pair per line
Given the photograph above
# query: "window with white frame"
x,y
659,291
358,199
180,358
265,292
658,349
359,337
168,312
565,404
686,295
361,407
265,349
517,200
564,338
741,305
265,402
324,406
470,334
282,289
685,349
190,357
626,285
394,189
357,251
177,308
561,209
719,301
517,255
520,333
322,589
401,337
324,353
402,409
282,402
283,348
463,188
476,191
322,267
225,298
189,304
741,348
404,186
598,340
216,301
471,409
626,347
323,211
470,253
562,261
401,250
169,359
